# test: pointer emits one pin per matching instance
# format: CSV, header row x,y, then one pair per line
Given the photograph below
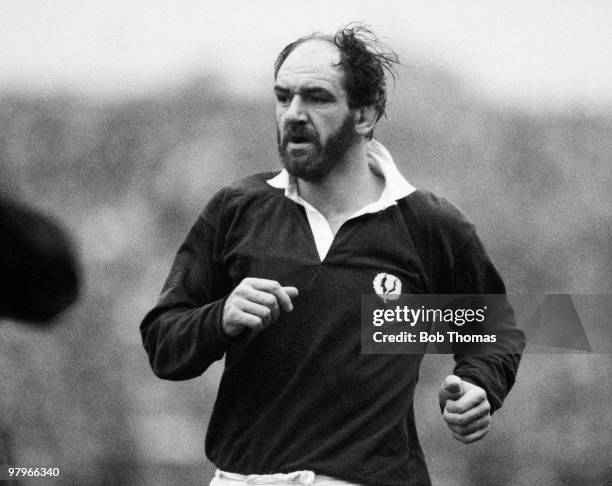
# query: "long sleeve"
x,y
39,271
455,262
495,371
182,334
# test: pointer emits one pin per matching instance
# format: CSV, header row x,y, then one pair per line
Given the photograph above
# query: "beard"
x,y
315,163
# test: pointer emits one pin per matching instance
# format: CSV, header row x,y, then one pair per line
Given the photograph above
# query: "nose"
x,y
296,111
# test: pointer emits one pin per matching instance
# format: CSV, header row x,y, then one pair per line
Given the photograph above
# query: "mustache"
x,y
298,133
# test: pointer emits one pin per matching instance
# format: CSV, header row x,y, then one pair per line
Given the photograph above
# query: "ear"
x,y
365,119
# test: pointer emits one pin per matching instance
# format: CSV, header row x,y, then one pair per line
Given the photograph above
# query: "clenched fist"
x,y
467,411
256,303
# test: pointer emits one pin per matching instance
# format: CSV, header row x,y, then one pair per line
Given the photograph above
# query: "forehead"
x,y
312,63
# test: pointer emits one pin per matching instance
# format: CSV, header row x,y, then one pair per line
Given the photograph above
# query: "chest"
x,y
278,243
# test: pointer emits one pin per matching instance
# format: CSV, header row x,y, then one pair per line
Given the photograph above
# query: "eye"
x,y
283,98
317,98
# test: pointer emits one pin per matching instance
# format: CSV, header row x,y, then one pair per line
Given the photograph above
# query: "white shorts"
x,y
305,478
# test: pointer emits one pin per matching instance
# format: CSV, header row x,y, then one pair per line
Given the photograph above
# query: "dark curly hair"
x,y
364,60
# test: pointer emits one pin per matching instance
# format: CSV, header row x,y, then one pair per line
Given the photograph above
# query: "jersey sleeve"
x,y
456,262
182,334
474,273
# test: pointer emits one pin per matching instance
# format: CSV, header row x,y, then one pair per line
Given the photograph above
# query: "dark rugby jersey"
x,y
300,395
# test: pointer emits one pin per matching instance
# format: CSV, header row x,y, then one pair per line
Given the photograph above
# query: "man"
x,y
272,273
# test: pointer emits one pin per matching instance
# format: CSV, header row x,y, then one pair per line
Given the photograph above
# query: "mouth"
x,y
299,138
298,149
299,142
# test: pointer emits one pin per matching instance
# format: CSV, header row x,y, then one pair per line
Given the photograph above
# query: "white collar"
x,y
380,162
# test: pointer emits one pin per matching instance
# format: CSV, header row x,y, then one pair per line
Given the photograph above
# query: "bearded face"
x,y
305,156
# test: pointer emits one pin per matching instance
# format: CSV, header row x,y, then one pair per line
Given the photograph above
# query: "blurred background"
x,y
123,118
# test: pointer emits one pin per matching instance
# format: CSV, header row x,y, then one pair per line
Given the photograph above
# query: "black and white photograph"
x,y
325,243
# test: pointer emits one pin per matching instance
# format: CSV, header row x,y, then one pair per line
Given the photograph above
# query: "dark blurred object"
x,y
39,273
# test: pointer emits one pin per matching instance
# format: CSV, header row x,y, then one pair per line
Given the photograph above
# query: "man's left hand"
x,y
467,411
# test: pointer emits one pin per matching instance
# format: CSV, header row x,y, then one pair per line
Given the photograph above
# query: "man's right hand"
x,y
256,303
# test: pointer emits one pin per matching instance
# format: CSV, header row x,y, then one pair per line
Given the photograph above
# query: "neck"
x,y
347,188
